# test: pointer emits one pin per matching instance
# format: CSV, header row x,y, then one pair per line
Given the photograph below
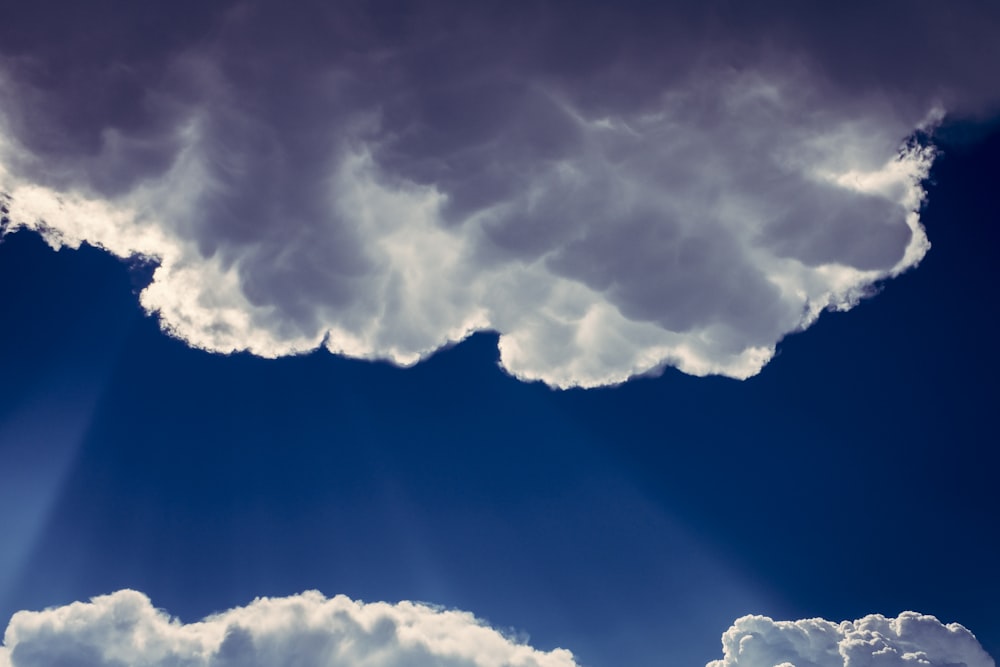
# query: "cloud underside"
x,y
308,629
387,199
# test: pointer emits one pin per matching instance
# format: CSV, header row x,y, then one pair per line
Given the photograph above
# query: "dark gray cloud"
x,y
611,188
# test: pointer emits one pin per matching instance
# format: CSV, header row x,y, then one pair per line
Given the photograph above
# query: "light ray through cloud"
x,y
39,441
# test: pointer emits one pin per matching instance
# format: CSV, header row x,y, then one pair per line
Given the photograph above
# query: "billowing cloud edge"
x,y
908,640
124,628
390,276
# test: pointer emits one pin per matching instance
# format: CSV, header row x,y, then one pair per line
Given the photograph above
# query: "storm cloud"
x,y
612,190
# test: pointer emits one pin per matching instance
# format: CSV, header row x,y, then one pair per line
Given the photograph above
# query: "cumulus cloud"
x,y
308,629
909,640
610,190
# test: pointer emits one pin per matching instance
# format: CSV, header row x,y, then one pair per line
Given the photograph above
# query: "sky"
x,y
379,333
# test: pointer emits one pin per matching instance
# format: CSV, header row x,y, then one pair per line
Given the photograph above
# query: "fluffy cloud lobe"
x,y
910,640
307,629
611,195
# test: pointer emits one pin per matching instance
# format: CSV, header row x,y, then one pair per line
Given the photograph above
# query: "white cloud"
x,y
693,226
308,629
909,640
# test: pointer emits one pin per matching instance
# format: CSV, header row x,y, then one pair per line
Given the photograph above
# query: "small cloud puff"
x,y
910,640
308,629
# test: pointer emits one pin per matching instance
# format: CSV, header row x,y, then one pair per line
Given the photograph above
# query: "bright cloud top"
x,y
910,640
386,199
125,629
307,629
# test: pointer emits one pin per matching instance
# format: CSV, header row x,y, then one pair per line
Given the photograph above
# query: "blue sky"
x,y
631,524
856,473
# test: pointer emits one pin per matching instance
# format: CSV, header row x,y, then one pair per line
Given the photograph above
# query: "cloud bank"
x,y
308,629
612,191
